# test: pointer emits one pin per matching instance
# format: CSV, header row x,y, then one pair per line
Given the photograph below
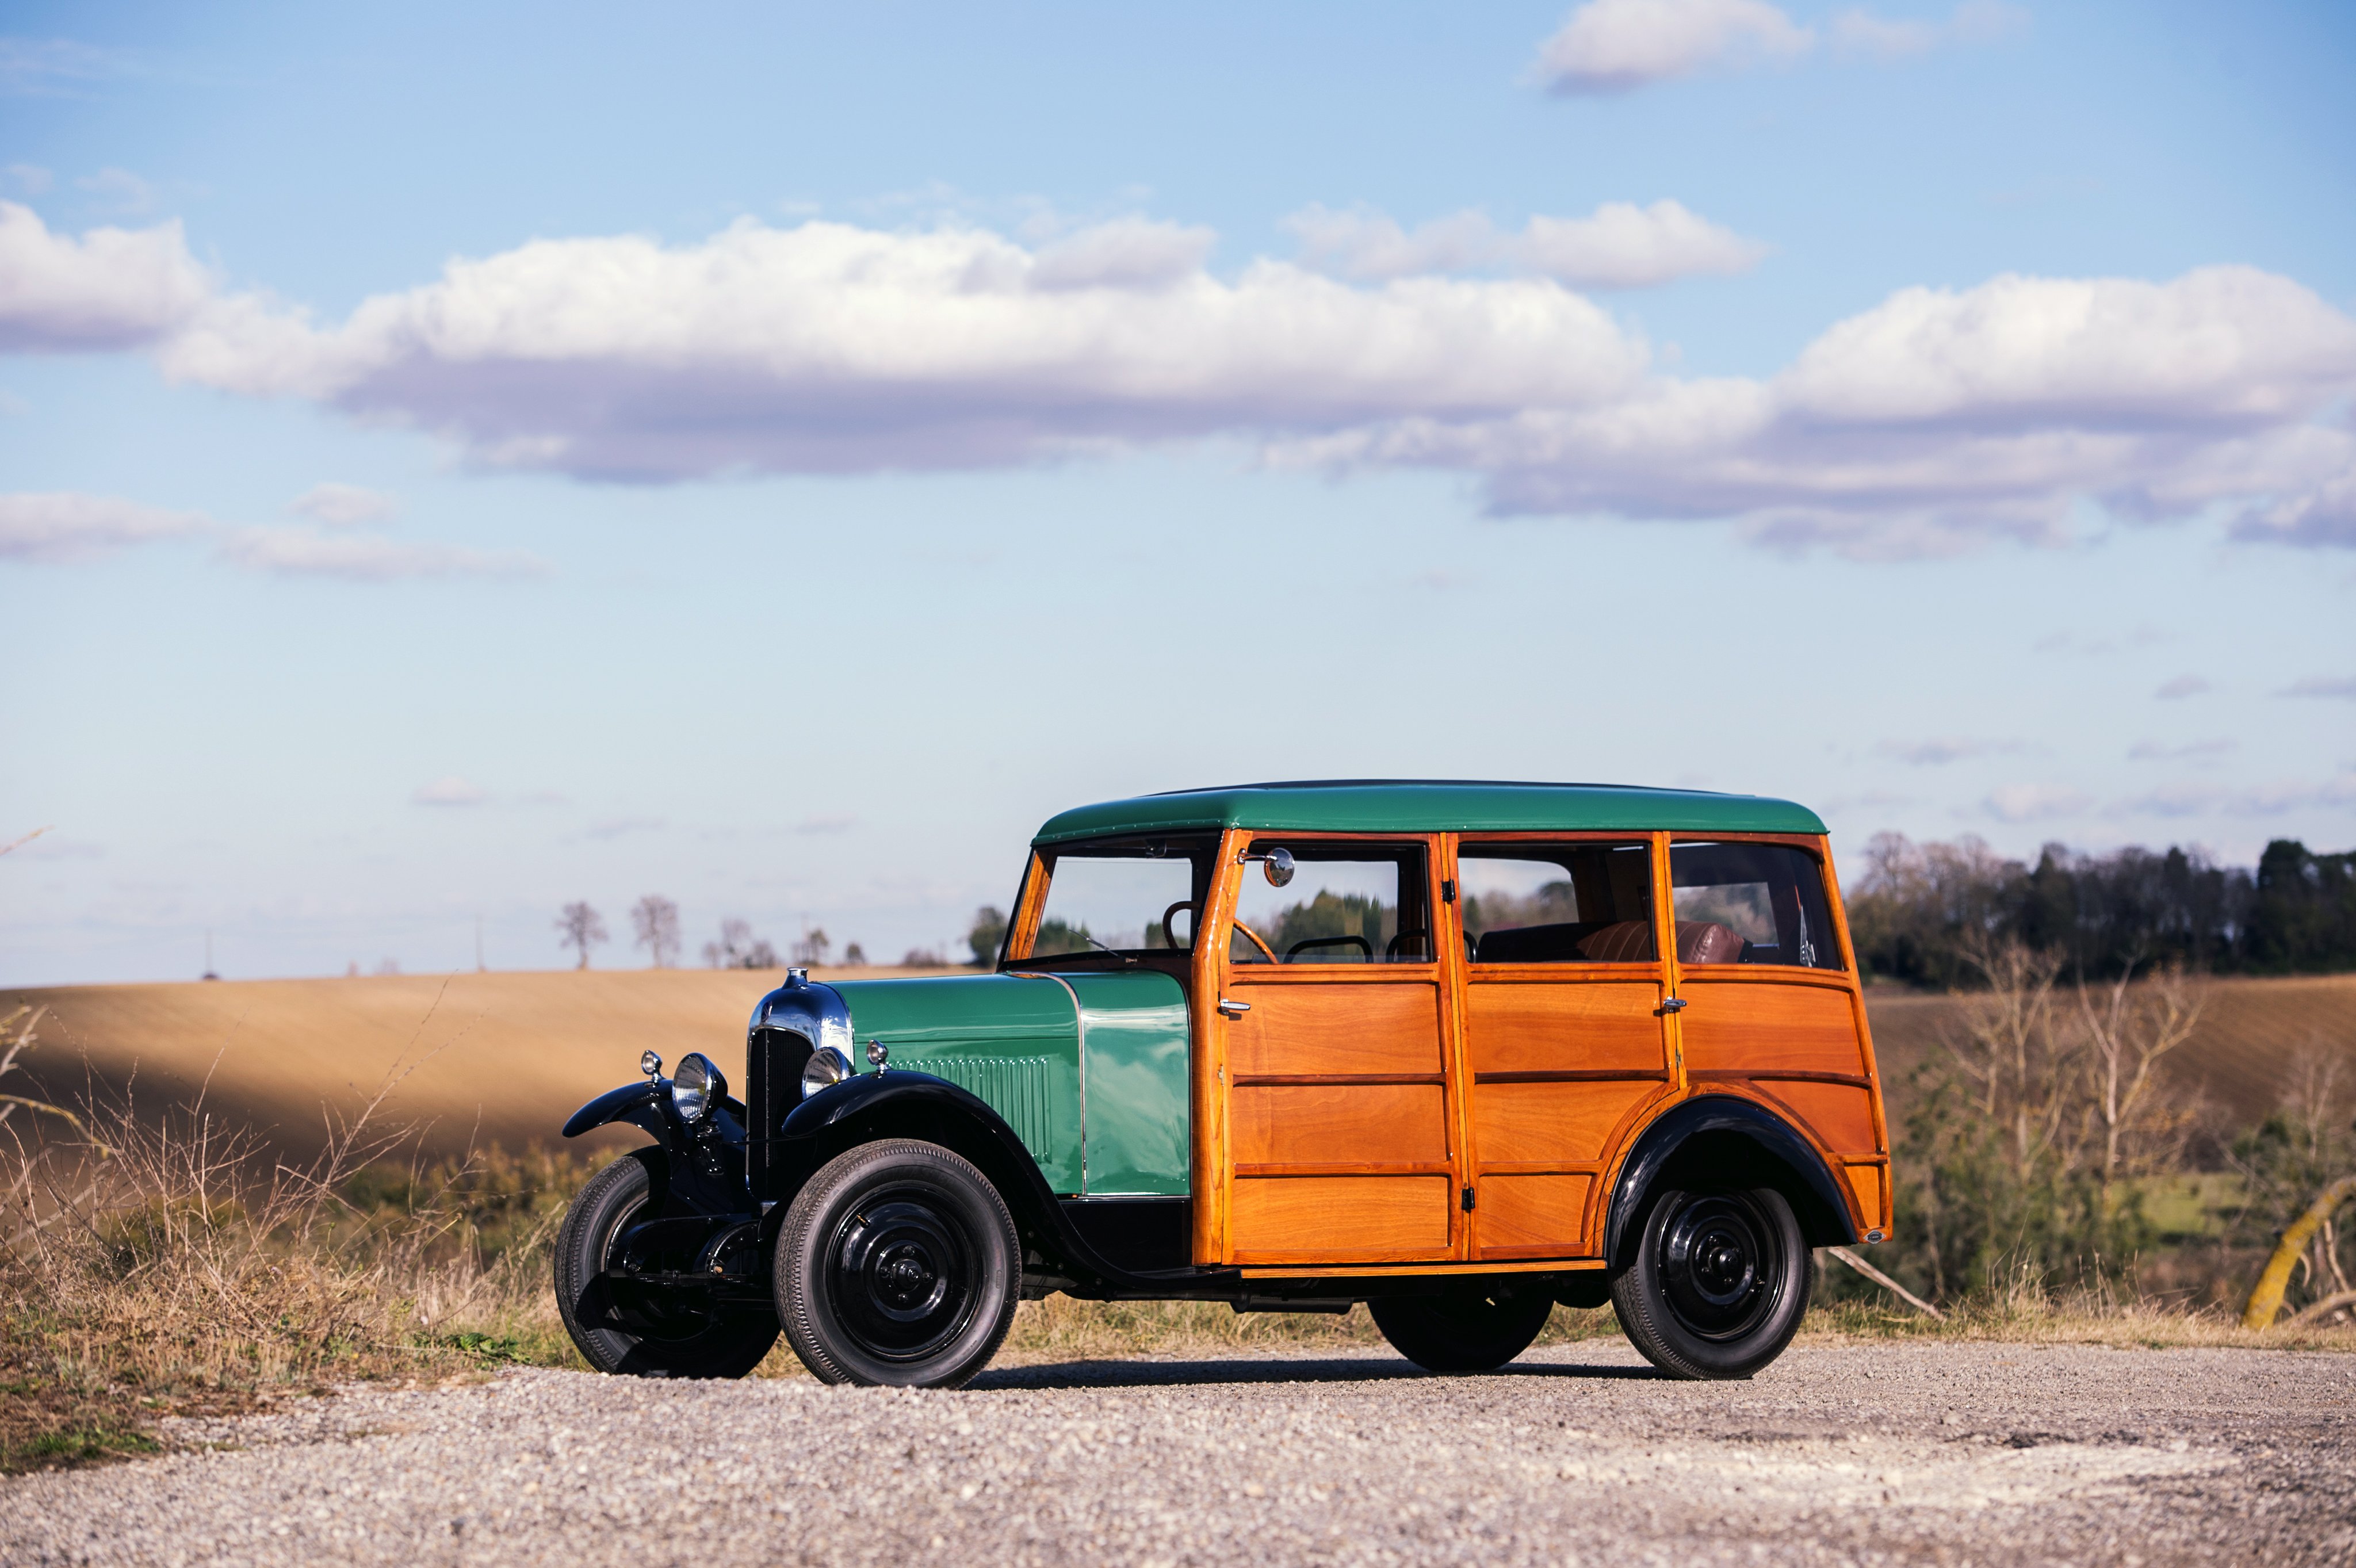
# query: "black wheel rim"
x,y
1721,1266
903,1264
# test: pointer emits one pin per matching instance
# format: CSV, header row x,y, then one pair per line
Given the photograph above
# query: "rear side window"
x,y
1345,903
1751,903
1560,903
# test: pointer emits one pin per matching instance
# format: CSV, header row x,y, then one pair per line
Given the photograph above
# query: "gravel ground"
x,y
1948,1454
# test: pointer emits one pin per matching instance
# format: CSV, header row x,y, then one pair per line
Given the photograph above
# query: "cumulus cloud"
x,y
1620,245
304,552
112,288
1613,45
344,505
1616,45
1931,423
449,791
57,527
2034,802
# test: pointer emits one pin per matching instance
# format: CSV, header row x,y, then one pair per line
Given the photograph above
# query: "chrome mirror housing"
x,y
1279,866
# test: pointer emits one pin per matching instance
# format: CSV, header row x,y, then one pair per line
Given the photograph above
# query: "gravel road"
x,y
1947,1454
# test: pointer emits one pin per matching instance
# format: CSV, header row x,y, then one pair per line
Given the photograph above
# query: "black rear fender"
x,y
1719,1141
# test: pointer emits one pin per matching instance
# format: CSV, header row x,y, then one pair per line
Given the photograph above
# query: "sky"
x,y
456,461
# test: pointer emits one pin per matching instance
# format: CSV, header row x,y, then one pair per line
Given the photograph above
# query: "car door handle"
x,y
1234,1009
1674,1004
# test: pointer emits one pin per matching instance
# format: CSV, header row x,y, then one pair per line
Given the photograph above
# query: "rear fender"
x,y
1724,1141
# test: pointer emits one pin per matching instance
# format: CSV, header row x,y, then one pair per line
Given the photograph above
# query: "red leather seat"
x,y
1630,941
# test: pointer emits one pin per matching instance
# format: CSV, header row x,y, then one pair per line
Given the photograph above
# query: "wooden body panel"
x,y
1839,1114
1768,1022
1340,1123
1527,1019
1550,1126
1538,1215
1336,1218
1334,1027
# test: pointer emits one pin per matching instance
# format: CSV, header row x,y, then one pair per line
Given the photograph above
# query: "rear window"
x,y
1751,903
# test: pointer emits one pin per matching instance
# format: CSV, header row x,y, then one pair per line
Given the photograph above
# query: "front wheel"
x,y
1475,1330
1718,1284
644,1338
898,1263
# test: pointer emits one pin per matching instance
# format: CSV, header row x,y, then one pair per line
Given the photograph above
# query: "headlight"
x,y
827,1066
697,1086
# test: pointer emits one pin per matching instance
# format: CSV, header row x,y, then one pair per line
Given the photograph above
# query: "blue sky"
x,y
451,464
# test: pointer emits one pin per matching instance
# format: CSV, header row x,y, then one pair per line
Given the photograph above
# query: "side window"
x,y
1751,903
1346,903
1564,903
1122,898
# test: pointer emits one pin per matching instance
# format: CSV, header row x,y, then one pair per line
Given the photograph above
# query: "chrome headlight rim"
x,y
825,1068
697,1085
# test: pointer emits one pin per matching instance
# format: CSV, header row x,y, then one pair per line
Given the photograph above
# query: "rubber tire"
x,y
1640,1295
808,1302
733,1346
1477,1330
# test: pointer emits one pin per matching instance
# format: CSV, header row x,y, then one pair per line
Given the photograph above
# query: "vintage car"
x,y
1460,1051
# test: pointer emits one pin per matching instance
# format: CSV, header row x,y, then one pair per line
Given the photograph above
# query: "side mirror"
x,y
1279,866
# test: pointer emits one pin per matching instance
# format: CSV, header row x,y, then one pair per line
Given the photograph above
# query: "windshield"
x,y
1129,896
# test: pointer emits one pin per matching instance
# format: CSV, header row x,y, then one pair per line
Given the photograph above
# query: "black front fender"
x,y
642,1104
1722,1137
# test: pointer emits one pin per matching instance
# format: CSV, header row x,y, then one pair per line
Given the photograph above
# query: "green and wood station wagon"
x,y
1461,1051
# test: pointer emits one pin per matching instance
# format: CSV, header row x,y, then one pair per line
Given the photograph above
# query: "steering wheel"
x,y
1170,935
1297,949
1256,941
1391,949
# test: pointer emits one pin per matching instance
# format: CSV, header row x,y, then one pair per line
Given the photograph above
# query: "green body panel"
x,y
1408,806
1014,1041
1137,1082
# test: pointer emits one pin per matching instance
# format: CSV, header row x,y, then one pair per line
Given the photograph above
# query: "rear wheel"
x,y
1475,1330
647,1337
1718,1284
898,1263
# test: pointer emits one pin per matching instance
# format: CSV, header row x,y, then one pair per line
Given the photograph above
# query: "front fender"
x,y
642,1104
1744,1136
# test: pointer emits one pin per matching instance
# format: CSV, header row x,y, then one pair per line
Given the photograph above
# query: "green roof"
x,y
1433,805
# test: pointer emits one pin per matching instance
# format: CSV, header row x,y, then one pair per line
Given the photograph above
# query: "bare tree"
x,y
656,919
580,927
2012,1050
2126,1034
738,948
814,946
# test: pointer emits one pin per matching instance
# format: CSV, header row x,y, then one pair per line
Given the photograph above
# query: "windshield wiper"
x,y
1127,962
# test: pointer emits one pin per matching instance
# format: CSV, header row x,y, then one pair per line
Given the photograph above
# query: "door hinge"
x,y
1468,1200
1447,890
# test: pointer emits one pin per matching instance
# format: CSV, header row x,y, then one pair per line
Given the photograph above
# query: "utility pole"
x,y
480,967
210,972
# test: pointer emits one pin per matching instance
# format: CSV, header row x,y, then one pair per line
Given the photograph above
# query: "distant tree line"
x,y
1915,907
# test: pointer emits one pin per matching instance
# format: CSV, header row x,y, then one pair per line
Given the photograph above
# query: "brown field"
x,y
473,1058
504,1058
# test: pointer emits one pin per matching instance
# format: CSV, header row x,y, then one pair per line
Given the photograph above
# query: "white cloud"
x,y
1932,422
2341,688
2181,687
2275,799
57,527
30,178
2187,751
449,791
1620,245
1613,45
112,288
1938,753
302,552
119,190
343,506
45,67
1974,22
2033,802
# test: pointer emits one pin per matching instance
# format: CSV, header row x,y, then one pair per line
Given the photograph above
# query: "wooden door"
x,y
1341,1110
1565,1058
